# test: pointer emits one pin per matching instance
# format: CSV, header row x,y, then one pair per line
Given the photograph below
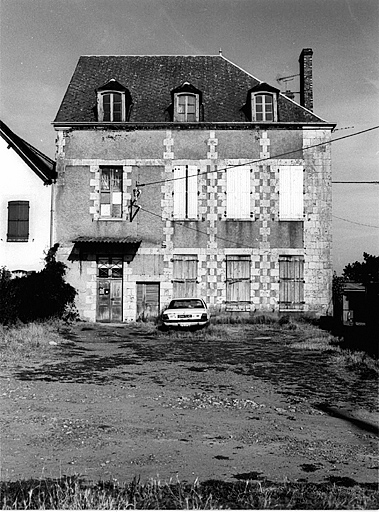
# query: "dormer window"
x,y
262,107
261,103
113,102
186,103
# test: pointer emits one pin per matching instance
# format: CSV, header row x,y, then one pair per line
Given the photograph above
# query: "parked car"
x,y
186,312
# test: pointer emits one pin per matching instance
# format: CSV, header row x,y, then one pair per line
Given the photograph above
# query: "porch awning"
x,y
86,245
106,240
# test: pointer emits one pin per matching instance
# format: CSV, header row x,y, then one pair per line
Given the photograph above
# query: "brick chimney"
x,y
306,81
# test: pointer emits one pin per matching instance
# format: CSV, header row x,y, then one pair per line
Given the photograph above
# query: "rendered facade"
x,y
25,203
187,176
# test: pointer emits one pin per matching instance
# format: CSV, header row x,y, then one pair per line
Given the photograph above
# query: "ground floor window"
x,y
291,282
185,275
238,280
109,288
18,221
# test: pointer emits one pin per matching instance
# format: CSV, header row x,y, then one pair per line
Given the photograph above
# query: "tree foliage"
x,y
363,272
39,296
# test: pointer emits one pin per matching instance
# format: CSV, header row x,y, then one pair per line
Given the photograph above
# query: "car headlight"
x,y
204,316
164,316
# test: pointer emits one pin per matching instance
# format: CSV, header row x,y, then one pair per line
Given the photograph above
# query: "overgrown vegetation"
x,y
21,342
73,493
38,296
363,272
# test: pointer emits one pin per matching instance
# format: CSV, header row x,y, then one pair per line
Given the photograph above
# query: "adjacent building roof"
x,y
106,240
42,165
151,79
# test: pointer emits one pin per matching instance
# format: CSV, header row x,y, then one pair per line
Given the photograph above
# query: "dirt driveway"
x,y
114,402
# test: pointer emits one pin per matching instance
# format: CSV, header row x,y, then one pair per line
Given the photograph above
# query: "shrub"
x,y
39,296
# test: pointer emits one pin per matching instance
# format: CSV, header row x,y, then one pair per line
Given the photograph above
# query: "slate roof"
x,y
41,164
150,80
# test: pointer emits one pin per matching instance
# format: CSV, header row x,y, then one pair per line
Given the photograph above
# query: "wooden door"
x,y
109,289
147,301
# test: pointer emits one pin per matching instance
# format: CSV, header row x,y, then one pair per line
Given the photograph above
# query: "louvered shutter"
x,y
291,197
18,221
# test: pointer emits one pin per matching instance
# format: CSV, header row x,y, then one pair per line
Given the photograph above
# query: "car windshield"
x,y
186,303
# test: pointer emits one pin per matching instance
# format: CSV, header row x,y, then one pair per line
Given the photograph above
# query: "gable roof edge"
x,y
45,170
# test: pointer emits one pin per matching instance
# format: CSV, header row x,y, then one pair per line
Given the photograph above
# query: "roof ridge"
x,y
152,55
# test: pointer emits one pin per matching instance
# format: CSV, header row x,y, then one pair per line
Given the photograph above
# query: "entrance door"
x,y
147,300
109,289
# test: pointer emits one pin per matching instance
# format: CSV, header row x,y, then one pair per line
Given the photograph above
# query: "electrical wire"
x,y
358,223
263,159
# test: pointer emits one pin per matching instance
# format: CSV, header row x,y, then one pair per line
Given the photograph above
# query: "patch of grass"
x,y
27,340
225,318
73,493
357,361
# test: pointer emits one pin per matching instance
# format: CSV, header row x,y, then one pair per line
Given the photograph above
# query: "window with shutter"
x,y
185,275
238,193
238,280
291,194
291,282
185,192
18,221
111,192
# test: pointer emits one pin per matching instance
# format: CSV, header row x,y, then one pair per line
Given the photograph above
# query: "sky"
x,y
41,41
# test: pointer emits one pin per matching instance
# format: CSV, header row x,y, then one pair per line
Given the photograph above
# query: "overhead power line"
x,y
358,223
237,243
286,153
354,182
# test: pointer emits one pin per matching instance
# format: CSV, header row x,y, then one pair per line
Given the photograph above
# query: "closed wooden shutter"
x,y
185,192
238,193
291,195
238,278
291,282
18,221
147,300
185,275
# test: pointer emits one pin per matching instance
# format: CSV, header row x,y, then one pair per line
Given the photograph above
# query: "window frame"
x,y
101,111
291,282
291,192
264,94
186,192
238,270
238,197
111,191
185,285
18,228
177,114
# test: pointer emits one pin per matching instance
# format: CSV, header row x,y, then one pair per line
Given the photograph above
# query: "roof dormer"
x,y
186,103
113,102
262,103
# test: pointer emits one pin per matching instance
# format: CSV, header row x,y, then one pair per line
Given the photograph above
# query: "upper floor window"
x,y
111,192
238,190
187,108
113,102
186,103
261,104
185,192
262,107
18,221
291,192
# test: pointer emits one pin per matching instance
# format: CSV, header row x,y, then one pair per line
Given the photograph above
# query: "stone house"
x,y
25,203
187,176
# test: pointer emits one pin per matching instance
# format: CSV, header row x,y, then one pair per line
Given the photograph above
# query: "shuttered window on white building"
x,y
291,194
291,282
185,275
238,278
238,193
185,192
